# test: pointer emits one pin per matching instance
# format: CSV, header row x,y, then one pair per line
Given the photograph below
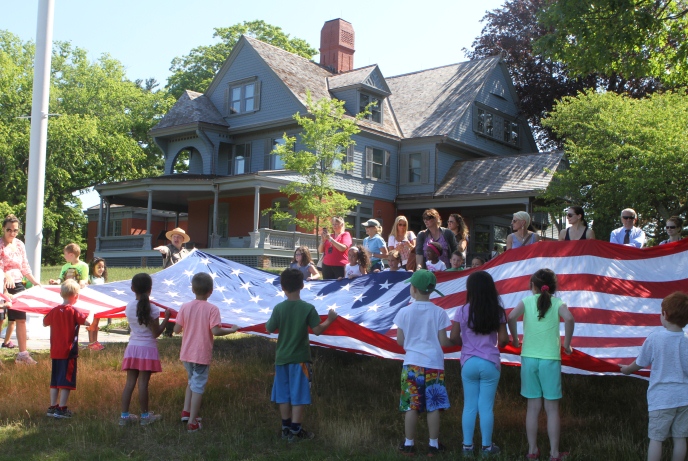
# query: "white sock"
x,y
435,443
409,442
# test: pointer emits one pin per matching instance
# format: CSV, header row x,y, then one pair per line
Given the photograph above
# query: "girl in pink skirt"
x,y
141,355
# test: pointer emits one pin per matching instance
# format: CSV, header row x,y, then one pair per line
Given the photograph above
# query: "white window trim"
x,y
247,158
386,162
242,84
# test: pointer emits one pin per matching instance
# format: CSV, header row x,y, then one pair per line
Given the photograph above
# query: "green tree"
x,y
622,152
326,136
197,69
631,38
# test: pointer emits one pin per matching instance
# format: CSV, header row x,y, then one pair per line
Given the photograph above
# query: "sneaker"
x,y
150,419
562,456
303,434
9,345
407,450
185,416
62,413
436,451
96,346
492,450
285,432
24,359
131,419
51,411
194,427
467,451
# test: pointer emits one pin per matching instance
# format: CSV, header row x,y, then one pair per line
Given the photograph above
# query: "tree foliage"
x,y
99,135
325,136
630,38
623,152
197,69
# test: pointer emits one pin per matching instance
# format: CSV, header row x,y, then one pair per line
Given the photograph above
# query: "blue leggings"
x,y
480,378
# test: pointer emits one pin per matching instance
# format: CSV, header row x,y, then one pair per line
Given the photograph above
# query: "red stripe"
x,y
607,317
605,341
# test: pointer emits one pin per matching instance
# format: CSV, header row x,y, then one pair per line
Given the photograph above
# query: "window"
x,y
511,132
277,162
375,114
348,159
242,97
240,162
414,168
115,227
495,126
377,164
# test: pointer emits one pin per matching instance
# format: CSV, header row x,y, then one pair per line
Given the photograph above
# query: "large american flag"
x,y
613,291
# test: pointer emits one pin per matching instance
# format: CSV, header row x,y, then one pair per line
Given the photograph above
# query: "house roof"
x,y
496,175
430,102
351,77
191,107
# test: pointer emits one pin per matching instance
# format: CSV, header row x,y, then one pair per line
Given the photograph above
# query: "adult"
x,y
458,226
628,234
578,229
496,251
375,244
334,247
674,226
521,235
404,241
434,232
15,266
174,252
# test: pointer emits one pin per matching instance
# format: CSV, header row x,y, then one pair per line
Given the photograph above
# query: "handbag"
x,y
320,262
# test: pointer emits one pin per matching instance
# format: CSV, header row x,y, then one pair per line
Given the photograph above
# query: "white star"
x,y
374,307
334,306
265,311
188,273
270,279
245,319
307,286
319,297
256,298
118,292
365,325
237,272
172,294
346,287
281,293
238,311
228,301
358,297
205,261
385,285
177,303
221,289
152,298
347,316
213,276
168,282
246,285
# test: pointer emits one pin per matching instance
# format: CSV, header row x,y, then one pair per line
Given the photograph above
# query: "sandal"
x,y
9,345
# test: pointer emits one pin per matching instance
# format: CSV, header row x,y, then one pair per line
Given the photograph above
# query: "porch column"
x,y
149,212
100,224
176,220
107,218
215,241
256,209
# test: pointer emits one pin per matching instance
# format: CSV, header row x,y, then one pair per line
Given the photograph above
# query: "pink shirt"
x,y
475,344
334,257
13,260
197,318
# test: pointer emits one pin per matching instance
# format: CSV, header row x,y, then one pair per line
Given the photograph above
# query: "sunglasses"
x,y
628,217
670,227
570,215
13,231
401,224
428,218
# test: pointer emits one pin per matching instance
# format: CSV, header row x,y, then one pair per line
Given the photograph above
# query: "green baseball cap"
x,y
424,280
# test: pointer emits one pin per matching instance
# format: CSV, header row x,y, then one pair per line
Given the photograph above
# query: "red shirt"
x,y
64,323
334,257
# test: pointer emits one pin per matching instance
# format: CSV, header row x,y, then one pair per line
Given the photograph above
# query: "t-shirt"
x,y
64,323
292,319
93,280
374,244
475,344
667,352
421,322
197,318
402,246
305,270
334,257
436,267
352,271
140,334
78,272
541,337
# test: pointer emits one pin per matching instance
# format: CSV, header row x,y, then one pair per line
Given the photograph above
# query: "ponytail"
x,y
141,284
545,281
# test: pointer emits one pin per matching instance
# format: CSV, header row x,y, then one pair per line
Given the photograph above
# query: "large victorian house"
x,y
449,138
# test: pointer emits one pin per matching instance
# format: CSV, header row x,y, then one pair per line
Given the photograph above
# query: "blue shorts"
x,y
63,375
422,389
292,383
540,378
198,376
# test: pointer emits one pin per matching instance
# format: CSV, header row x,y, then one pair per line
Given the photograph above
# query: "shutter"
x,y
475,118
403,169
226,101
425,168
387,167
256,95
369,162
248,152
350,158
267,164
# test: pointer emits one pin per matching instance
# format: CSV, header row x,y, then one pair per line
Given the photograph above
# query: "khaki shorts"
x,y
668,422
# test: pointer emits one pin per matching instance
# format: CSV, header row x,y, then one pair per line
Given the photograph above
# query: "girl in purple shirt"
x,y
477,327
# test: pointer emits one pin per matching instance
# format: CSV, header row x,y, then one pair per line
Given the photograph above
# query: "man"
x,y
628,234
174,252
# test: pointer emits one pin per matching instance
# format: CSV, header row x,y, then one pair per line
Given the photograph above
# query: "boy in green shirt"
x,y
74,269
293,367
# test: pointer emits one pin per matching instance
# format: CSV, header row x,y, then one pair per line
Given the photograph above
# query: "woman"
x,y
404,241
173,252
15,266
334,248
375,244
434,233
458,226
303,262
578,229
521,235
674,226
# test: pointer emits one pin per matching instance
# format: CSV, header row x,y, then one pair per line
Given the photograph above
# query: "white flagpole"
x,y
39,136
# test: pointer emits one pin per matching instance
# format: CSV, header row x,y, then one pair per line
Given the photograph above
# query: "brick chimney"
x,y
337,45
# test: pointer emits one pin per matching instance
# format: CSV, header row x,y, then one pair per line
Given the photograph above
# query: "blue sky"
x,y
145,35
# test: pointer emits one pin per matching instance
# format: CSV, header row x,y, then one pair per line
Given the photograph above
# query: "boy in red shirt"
x,y
64,323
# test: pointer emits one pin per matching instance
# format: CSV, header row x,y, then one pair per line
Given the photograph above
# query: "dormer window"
x,y
375,114
242,96
495,126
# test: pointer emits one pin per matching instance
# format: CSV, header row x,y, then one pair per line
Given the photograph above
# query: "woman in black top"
x,y
579,229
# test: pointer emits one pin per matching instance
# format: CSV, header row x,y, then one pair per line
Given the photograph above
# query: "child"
x,y
141,355
477,262
477,326
358,262
667,397
394,262
74,269
432,255
64,322
303,262
200,321
291,388
421,331
541,356
456,261
97,275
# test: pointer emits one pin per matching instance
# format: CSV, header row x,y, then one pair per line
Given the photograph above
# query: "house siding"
x,y
350,98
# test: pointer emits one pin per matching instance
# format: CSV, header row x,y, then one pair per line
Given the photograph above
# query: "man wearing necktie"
x,y
628,234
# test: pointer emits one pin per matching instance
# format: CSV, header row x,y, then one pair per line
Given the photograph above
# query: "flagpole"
x,y
39,135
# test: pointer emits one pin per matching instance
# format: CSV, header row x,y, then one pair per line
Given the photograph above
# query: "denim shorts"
x,y
198,376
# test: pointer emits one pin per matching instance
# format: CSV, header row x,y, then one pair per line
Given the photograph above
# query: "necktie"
x,y
627,237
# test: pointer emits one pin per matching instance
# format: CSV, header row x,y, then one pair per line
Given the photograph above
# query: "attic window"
x,y
242,96
495,126
375,114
